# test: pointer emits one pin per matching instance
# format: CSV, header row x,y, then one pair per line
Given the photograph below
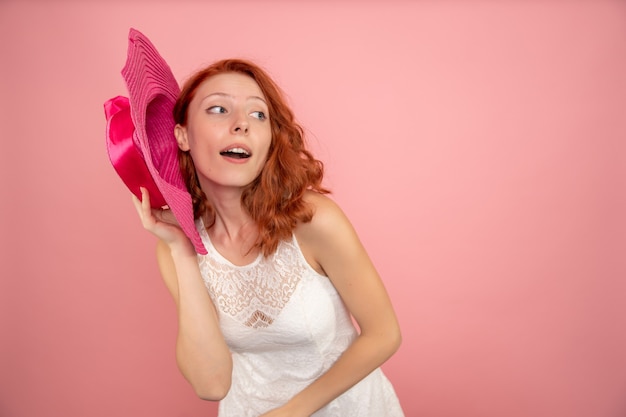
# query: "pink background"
x,y
478,147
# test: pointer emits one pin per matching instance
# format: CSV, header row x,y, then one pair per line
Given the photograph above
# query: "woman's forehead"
x,y
231,85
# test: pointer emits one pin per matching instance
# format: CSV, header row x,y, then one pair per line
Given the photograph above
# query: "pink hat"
x,y
140,134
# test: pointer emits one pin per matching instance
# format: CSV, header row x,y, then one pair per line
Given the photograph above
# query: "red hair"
x,y
274,199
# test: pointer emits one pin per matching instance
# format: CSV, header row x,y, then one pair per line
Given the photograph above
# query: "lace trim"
x,y
255,294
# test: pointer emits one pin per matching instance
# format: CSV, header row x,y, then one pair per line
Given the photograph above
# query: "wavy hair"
x,y
274,199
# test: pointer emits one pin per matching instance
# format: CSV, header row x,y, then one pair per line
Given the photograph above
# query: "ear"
x,y
181,137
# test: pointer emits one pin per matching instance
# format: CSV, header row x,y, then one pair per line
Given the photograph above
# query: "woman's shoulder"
x,y
314,235
326,213
328,226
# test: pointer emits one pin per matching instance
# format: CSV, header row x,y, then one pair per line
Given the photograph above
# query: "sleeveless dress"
x,y
285,325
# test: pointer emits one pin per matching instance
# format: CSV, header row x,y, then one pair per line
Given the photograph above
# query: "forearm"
x,y
202,354
362,357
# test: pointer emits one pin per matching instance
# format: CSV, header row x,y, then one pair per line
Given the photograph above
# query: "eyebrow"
x,y
229,96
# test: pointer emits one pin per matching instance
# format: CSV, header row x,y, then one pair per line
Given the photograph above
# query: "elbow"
x,y
398,342
390,340
211,390
210,380
208,384
386,340
395,340
211,395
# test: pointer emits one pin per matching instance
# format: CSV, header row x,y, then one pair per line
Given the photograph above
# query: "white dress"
x,y
285,325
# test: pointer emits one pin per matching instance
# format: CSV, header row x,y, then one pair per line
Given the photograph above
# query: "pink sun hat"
x,y
140,134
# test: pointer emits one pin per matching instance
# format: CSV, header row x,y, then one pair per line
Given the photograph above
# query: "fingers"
x,y
145,202
137,204
160,222
151,216
143,208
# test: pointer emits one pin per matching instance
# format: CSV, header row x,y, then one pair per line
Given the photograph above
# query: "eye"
x,y
259,115
216,110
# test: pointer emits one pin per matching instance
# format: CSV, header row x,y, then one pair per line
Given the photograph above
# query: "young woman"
x,y
265,317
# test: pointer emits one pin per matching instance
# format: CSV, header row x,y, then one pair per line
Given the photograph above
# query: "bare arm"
x,y
201,352
333,245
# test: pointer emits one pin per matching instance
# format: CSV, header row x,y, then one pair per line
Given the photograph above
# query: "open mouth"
x,y
237,153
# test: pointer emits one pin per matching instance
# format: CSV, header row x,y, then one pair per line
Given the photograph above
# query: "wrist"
x,y
296,408
182,248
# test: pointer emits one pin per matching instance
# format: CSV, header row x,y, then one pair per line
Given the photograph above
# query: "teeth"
x,y
237,150
239,153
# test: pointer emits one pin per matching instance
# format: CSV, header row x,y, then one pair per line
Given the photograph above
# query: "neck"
x,y
233,225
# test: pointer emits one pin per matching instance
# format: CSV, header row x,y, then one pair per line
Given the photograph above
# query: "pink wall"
x,y
478,146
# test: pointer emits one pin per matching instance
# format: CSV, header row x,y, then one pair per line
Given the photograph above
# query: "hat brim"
x,y
153,91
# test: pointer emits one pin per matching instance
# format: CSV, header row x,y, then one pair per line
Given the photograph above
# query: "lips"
x,y
236,152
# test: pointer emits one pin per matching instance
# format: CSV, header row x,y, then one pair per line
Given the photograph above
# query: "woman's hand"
x,y
160,222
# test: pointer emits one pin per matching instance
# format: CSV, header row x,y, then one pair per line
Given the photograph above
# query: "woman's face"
x,y
228,132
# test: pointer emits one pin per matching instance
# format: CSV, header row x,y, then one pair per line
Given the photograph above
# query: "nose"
x,y
240,126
